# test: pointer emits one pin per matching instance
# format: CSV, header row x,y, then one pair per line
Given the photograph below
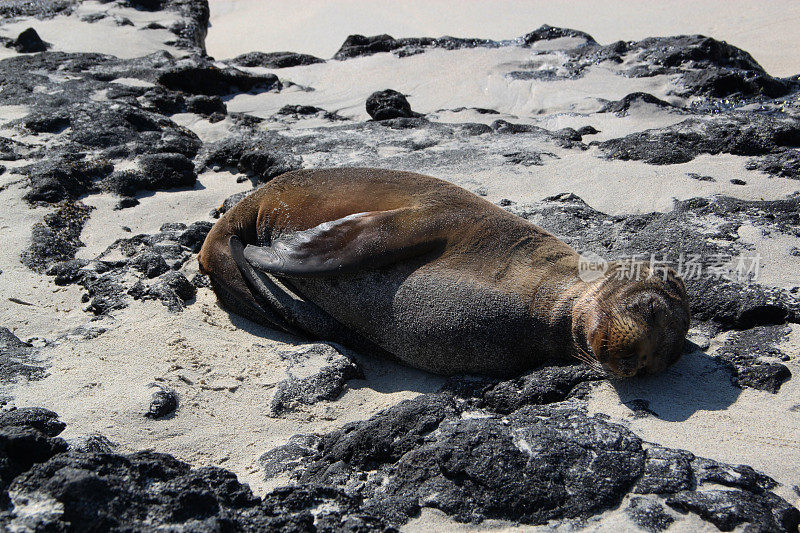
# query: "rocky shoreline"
x,y
92,143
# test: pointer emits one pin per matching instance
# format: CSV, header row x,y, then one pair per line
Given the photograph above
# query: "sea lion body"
x,y
435,276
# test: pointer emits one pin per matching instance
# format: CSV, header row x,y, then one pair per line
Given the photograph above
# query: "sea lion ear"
x,y
362,240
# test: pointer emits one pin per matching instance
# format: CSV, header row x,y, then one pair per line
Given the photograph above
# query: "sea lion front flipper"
x,y
298,317
362,240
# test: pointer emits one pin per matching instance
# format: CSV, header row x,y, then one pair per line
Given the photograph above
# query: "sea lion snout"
x,y
639,327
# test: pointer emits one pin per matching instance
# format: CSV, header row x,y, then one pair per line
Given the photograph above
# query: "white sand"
x,y
441,79
701,411
225,368
765,29
71,34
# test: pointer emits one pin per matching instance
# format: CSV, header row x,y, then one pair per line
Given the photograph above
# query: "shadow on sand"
x,y
695,383
380,374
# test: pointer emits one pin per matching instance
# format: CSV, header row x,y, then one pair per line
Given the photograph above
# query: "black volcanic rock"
x,y
38,418
110,492
257,159
666,471
739,134
163,402
274,59
148,270
756,358
547,33
743,83
544,385
64,178
104,491
39,8
649,515
57,238
315,373
621,107
206,105
158,172
697,51
202,78
150,263
290,509
166,171
388,104
784,164
706,67
360,45
537,465
531,466
17,358
289,456
29,42
173,289
727,509
194,235
27,437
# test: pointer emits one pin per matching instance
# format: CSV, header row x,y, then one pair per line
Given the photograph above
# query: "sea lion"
x,y
434,276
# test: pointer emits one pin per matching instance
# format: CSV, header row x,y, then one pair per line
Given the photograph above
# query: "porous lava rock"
x,y
274,59
315,372
388,104
534,465
29,42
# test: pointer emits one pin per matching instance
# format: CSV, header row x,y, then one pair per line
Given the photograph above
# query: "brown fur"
x,y
448,282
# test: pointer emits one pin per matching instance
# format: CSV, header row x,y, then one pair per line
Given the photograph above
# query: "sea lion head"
x,y
634,325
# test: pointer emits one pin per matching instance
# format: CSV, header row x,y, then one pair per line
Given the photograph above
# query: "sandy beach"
x,y
115,166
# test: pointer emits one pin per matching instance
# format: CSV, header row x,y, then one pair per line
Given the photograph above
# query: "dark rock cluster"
x,y
752,134
57,238
621,107
359,45
258,159
386,104
28,42
755,357
430,451
274,59
535,464
47,486
720,303
548,33
39,8
18,359
148,268
318,372
202,77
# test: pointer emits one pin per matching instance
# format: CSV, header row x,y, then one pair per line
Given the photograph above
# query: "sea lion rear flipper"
x,y
264,290
362,240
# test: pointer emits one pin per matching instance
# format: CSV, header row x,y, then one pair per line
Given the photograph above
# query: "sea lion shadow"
x,y
386,376
696,382
381,373
256,329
